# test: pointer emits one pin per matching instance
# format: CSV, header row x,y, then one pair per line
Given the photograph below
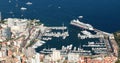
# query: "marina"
x,y
45,34
30,31
57,34
102,46
68,49
50,33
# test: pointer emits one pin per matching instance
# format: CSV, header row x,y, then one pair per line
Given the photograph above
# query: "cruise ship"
x,y
81,24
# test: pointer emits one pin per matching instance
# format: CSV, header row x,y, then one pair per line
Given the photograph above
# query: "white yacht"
x,y
23,8
80,17
29,3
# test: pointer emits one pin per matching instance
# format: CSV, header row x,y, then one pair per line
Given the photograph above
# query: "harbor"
x,y
88,43
101,46
31,31
60,31
98,43
68,49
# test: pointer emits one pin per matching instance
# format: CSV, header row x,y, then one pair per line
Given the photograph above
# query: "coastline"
x,y
26,35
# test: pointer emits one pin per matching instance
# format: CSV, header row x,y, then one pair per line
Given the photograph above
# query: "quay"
x,y
58,28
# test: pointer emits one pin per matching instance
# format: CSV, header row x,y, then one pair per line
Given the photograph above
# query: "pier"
x,y
58,28
56,34
87,34
102,32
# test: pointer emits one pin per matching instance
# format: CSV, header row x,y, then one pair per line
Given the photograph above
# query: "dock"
x,y
58,28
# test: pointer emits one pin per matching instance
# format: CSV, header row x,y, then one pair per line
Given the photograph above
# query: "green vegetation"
x,y
118,61
117,38
38,23
31,43
65,61
0,45
19,37
2,21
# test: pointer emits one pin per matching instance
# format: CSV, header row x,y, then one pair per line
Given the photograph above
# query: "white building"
x,y
72,57
56,55
29,51
42,28
19,59
17,24
10,22
6,32
111,36
32,60
47,59
0,54
37,58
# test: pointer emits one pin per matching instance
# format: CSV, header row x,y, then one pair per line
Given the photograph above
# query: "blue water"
x,y
102,14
